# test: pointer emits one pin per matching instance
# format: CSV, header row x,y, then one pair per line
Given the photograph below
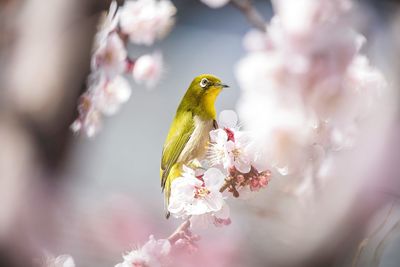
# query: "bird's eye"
x,y
204,82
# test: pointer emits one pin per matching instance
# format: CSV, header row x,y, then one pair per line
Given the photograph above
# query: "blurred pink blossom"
x,y
110,57
60,261
153,253
103,98
145,21
108,25
301,74
148,69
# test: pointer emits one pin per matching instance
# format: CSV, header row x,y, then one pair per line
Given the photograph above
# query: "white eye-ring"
x,y
204,82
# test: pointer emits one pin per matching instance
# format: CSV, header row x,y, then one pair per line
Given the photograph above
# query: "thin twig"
x,y
251,13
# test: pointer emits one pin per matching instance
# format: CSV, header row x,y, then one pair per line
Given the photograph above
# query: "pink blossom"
x,y
153,254
107,25
194,196
110,56
115,92
103,98
148,68
228,148
304,76
144,21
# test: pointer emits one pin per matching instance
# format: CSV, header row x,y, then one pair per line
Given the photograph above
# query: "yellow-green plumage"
x,y
188,135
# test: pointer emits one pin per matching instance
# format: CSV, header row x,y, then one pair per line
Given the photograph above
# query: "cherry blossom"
x,y
114,93
192,196
303,73
108,25
228,146
148,69
103,98
110,57
153,254
145,21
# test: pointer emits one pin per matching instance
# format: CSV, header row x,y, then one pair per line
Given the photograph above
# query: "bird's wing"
x,y
179,134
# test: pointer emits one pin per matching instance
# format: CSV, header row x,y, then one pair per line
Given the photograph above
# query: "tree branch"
x,y
251,13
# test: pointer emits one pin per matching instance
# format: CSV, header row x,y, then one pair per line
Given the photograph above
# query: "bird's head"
x,y
201,95
207,84
204,90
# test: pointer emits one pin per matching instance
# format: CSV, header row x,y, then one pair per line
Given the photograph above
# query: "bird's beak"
x,y
222,85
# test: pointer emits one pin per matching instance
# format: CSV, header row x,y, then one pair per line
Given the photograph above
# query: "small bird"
x,y
188,134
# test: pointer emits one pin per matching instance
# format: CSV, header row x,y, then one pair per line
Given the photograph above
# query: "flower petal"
x,y
214,179
227,119
218,136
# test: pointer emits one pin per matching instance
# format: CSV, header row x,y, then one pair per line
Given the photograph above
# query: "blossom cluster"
x,y
200,193
199,196
308,78
153,254
140,22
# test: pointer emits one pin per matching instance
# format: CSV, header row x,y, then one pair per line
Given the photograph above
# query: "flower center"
x,y
236,153
201,192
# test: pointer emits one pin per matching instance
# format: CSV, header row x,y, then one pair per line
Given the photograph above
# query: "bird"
x,y
188,135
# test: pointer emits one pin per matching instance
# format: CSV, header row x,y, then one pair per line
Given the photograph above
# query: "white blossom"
x,y
110,57
108,25
228,146
115,92
103,97
148,69
193,196
229,149
145,21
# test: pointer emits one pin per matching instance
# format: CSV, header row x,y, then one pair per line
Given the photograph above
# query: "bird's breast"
x,y
196,147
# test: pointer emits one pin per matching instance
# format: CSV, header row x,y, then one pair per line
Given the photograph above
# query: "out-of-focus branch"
x,y
250,12
44,58
180,232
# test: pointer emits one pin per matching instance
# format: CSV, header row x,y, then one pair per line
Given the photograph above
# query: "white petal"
x,y
229,146
64,261
213,179
198,207
242,164
223,213
214,201
227,119
218,136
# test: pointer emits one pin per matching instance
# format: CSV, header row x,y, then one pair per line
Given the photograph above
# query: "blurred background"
x,y
98,198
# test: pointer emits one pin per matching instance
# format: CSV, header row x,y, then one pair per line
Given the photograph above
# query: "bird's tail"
x,y
174,173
